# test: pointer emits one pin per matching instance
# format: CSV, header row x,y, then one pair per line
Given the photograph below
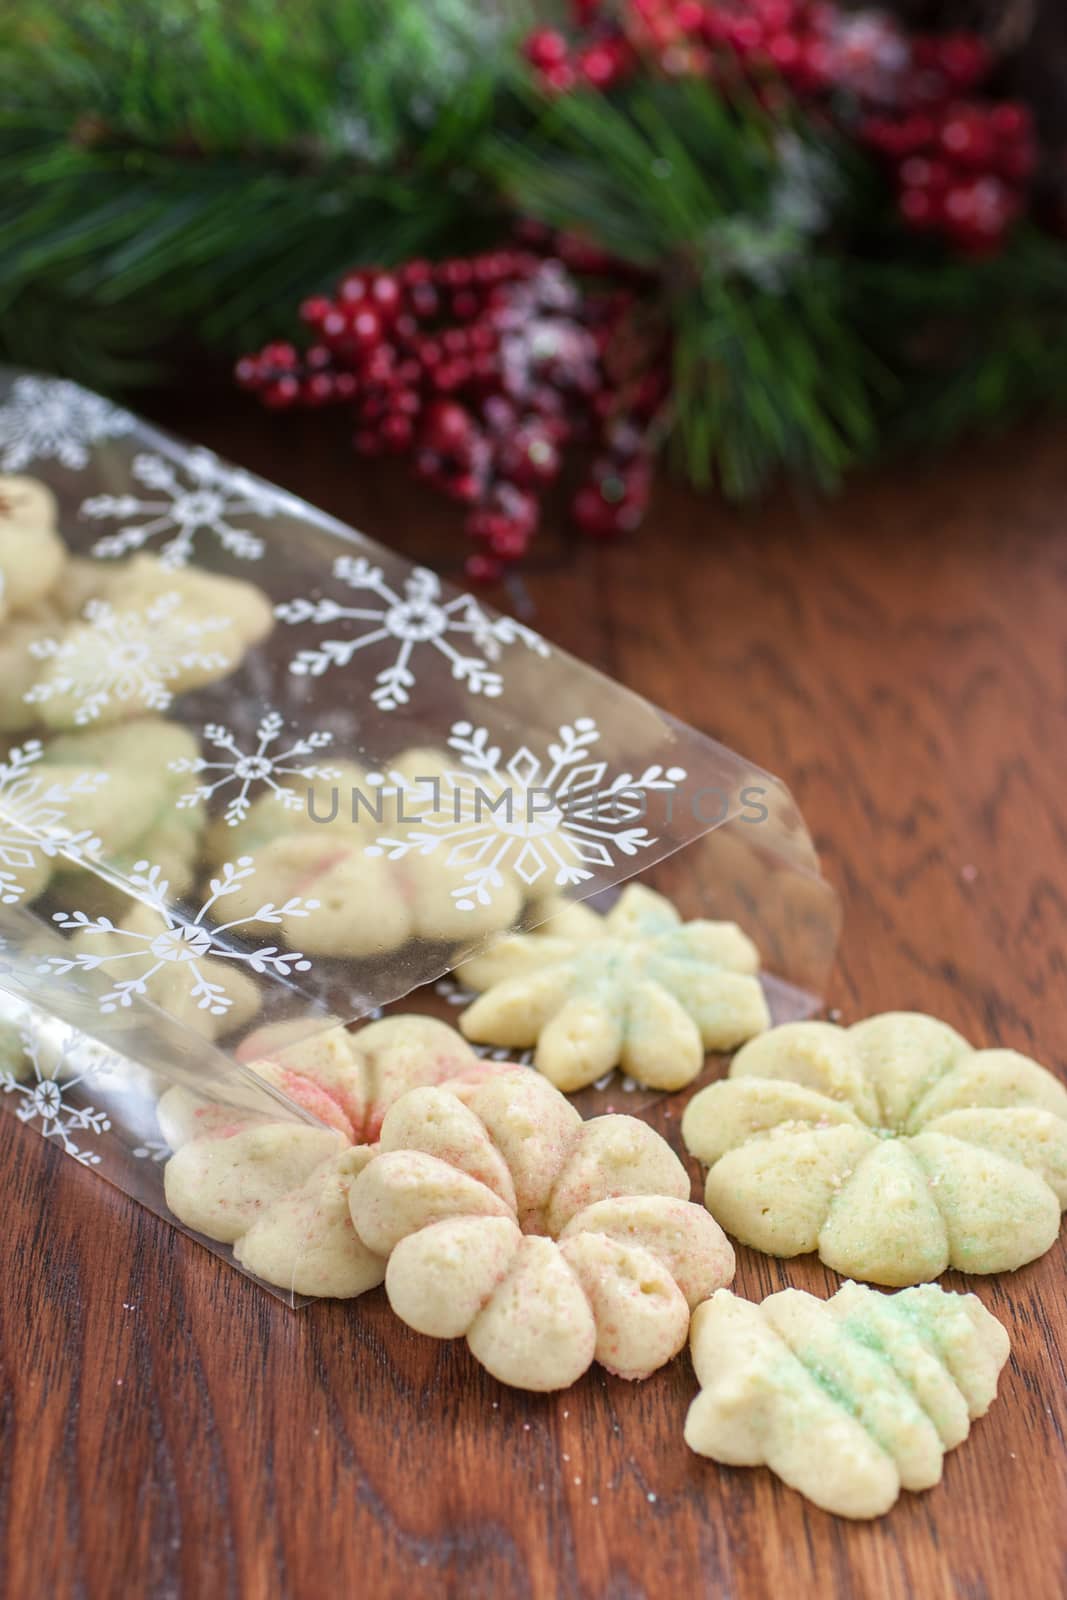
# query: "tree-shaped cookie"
x,y
638,988
848,1400
891,1147
547,1241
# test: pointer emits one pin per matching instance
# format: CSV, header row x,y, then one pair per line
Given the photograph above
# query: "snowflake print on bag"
x,y
42,1096
201,496
556,816
127,655
260,766
33,821
50,419
408,618
178,941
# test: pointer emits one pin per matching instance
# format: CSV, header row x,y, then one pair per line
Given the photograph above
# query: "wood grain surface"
x,y
900,657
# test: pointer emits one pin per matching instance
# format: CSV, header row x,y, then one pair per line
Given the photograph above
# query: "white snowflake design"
x,y
127,655
557,816
50,419
416,614
33,817
181,941
247,768
201,496
152,1150
43,1097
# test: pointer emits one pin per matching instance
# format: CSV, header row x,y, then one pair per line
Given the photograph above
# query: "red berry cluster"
x,y
481,369
807,44
960,166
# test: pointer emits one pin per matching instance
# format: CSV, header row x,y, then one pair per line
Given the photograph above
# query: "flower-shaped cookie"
x,y
131,808
314,837
848,1400
891,1147
146,635
638,988
278,1191
32,555
546,1241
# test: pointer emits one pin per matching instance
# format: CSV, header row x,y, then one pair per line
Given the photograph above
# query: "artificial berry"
x,y
366,329
592,514
545,48
315,309
600,66
487,525
318,390
353,289
481,568
283,392
963,58
425,301
479,369
465,305
979,210
509,541
558,80
464,486
280,356
447,427
397,431
967,137
417,271
385,293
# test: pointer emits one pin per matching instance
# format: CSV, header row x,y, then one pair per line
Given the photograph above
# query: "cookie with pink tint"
x,y
320,838
277,1190
546,1241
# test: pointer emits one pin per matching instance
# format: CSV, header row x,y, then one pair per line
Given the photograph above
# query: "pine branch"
x,y
202,167
731,211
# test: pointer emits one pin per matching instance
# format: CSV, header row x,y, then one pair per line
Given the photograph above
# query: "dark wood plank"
x,y
898,656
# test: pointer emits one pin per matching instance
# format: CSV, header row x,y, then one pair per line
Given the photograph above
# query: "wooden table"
x,y
900,657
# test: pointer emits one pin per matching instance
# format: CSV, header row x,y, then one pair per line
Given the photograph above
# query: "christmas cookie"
x,y
848,1400
87,799
278,1192
639,988
312,838
79,582
361,1073
131,807
156,956
131,585
19,671
545,1241
148,636
32,555
892,1148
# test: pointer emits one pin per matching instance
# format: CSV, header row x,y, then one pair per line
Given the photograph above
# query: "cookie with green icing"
x,y
638,988
848,1400
892,1148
